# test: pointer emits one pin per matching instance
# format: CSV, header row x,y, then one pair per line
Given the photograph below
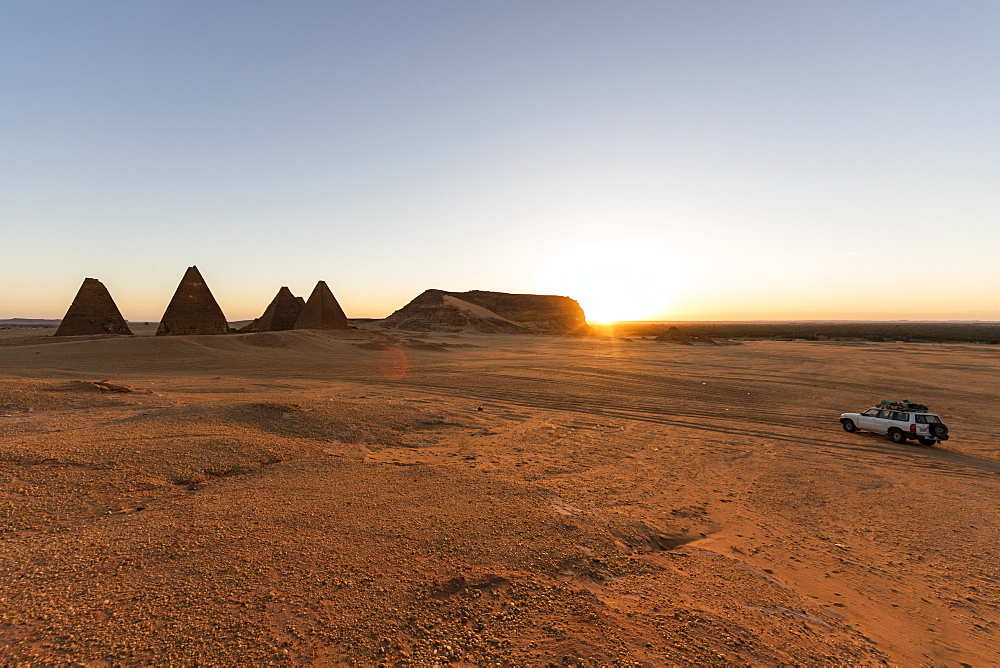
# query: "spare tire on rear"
x,y
939,430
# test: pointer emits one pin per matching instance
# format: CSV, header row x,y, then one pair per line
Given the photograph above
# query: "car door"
x,y
900,421
880,423
867,419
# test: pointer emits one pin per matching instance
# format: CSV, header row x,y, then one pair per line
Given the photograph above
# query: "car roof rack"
x,y
904,405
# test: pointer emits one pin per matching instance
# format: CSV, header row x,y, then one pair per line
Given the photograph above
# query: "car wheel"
x,y
849,426
896,436
939,430
927,441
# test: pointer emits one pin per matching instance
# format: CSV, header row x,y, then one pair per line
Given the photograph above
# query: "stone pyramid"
x,y
280,314
321,311
193,309
93,311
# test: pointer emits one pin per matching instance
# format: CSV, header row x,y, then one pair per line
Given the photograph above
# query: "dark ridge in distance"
x,y
896,331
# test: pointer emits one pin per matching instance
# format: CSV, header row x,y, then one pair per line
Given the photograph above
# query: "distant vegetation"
x,y
910,332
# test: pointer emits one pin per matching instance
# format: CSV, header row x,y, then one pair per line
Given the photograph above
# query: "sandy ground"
x,y
308,498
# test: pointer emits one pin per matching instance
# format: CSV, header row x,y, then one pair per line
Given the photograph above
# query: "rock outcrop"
x,y
193,309
321,311
674,335
93,311
279,315
489,312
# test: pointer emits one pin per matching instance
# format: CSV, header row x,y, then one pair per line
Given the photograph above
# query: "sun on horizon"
x,y
612,296
615,281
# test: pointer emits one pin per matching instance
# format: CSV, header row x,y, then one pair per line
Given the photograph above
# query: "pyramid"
x,y
193,309
280,314
93,311
321,311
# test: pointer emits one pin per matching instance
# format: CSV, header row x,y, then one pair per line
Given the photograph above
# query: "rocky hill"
x,y
489,312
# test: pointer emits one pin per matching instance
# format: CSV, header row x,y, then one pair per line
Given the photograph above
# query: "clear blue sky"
x,y
676,160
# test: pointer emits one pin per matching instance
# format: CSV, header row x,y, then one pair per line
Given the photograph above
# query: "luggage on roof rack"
x,y
904,405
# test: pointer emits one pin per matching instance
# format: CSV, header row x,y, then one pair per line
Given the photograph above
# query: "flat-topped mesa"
x,y
93,311
490,312
279,315
543,313
193,309
322,311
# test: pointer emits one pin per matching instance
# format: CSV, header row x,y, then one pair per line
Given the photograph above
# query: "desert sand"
x,y
331,498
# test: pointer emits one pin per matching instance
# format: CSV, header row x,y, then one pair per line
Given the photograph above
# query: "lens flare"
x,y
393,363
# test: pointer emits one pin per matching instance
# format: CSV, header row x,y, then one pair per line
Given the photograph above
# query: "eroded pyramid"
x,y
321,311
193,309
279,315
93,311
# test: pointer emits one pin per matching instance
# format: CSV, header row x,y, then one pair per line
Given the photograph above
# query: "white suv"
x,y
899,422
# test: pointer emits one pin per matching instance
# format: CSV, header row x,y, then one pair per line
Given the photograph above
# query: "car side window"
x,y
900,417
885,414
871,412
920,419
